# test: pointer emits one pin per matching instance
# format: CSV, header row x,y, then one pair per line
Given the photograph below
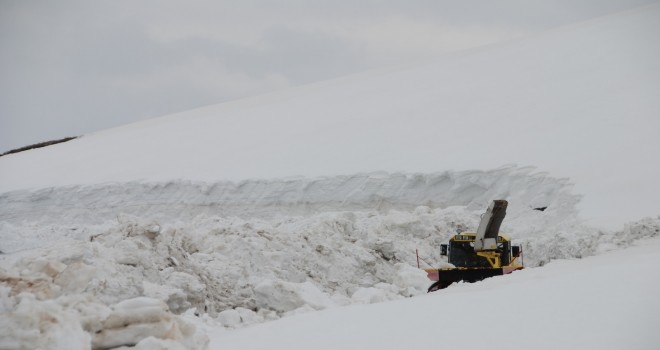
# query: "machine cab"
x,y
461,253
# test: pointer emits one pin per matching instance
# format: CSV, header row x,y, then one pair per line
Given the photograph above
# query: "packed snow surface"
x,y
302,206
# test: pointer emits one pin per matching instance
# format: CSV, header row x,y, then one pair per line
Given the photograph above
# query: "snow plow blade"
x,y
444,277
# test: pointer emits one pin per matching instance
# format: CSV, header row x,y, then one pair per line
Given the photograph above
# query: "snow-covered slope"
x,y
580,102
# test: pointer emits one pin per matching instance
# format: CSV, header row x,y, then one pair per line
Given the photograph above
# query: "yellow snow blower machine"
x,y
480,255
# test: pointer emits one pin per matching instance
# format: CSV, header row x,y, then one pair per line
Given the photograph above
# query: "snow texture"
x,y
578,102
306,207
249,271
603,302
85,206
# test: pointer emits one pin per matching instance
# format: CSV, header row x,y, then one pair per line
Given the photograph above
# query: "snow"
x,y
135,279
564,305
578,103
164,203
291,220
75,322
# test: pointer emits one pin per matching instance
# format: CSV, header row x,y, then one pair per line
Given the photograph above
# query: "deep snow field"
x,y
277,221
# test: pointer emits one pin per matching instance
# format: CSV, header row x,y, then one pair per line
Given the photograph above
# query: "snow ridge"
x,y
183,200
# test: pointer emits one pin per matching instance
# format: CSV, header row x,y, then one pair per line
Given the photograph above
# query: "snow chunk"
x,y
233,318
413,280
229,318
76,277
34,324
286,296
369,295
248,316
136,319
152,343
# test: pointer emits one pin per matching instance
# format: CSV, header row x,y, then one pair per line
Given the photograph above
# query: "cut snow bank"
x,y
81,206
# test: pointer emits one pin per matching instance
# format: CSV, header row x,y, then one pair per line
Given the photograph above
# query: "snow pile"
x,y
272,266
42,308
568,242
318,253
245,271
131,320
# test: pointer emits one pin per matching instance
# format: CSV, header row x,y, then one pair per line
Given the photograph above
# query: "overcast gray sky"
x,y
73,67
